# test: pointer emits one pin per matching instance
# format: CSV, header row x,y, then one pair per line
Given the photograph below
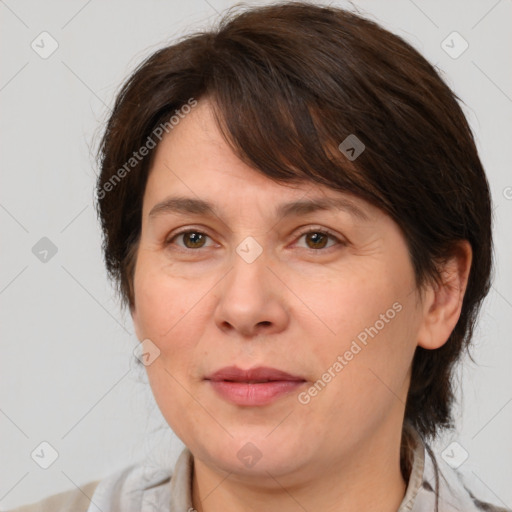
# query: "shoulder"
x,y
434,485
76,500
454,489
120,490
141,486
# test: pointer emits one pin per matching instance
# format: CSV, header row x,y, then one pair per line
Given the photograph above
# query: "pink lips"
x,y
257,386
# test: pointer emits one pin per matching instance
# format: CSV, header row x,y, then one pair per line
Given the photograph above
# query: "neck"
x,y
368,479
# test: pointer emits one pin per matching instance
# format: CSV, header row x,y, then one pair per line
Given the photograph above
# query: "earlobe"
x,y
135,321
442,302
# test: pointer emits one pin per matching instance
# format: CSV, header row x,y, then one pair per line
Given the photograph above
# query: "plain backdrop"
x,y
66,366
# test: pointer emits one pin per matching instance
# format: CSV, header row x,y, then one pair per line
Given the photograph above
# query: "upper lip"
x,y
259,374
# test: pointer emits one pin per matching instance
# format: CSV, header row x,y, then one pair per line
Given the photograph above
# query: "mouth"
x,y
254,387
257,375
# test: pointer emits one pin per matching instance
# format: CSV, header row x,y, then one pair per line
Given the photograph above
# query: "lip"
x,y
255,386
258,374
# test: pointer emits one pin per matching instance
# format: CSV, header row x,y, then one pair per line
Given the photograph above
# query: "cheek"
x,y
340,304
167,316
173,313
361,382
163,302
161,316
365,326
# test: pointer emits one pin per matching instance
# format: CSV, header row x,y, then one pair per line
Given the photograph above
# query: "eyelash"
x,y
321,231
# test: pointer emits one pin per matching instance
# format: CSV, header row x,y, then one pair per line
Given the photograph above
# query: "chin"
x,y
253,453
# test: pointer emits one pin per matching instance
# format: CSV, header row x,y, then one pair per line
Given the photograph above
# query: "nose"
x,y
252,299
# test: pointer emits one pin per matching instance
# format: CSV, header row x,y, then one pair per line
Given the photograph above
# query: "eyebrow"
x,y
193,206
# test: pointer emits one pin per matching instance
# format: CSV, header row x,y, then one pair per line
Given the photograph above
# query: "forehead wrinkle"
x,y
194,206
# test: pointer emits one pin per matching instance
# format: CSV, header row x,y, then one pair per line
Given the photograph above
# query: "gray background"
x,y
66,366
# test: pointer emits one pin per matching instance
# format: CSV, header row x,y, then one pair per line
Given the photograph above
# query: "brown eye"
x,y
195,239
191,239
318,239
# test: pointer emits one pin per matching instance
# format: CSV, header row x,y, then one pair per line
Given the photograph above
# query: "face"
x,y
325,295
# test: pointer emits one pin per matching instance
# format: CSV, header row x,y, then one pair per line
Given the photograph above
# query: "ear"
x,y
135,320
442,303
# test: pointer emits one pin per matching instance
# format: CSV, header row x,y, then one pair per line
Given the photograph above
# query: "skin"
x,y
297,307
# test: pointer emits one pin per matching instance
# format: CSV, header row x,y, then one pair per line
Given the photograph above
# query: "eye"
x,y
318,238
192,239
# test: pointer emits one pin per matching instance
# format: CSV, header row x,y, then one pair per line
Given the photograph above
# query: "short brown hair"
x,y
289,82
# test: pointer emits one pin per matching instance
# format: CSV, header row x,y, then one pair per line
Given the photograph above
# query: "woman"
x,y
295,213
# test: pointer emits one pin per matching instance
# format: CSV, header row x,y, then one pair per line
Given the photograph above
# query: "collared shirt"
x,y
142,488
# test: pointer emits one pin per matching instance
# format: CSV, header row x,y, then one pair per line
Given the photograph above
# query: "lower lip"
x,y
243,393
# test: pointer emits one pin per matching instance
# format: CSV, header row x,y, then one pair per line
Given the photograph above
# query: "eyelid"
x,y
305,231
188,229
325,231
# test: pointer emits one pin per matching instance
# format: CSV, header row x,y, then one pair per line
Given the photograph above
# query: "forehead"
x,y
195,171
